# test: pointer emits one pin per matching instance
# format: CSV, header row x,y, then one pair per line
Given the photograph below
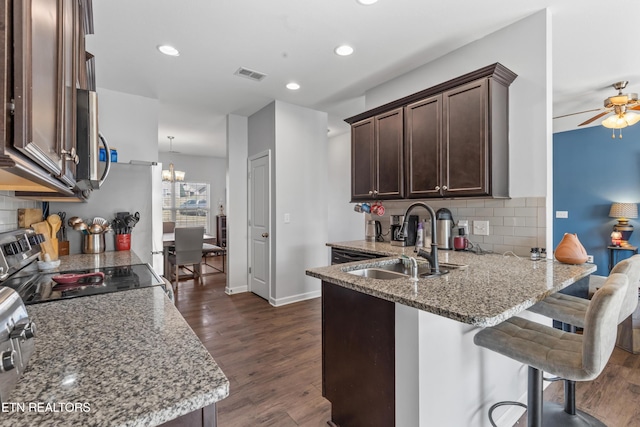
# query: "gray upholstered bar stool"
x,y
572,310
567,355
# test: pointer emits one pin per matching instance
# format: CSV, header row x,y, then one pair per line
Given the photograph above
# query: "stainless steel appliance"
x,y
342,256
88,176
396,224
19,252
17,341
444,226
373,231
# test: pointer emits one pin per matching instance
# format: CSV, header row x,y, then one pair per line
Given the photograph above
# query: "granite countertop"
x,y
122,359
104,259
490,289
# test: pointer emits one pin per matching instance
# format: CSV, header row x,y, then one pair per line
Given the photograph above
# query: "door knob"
x,y
265,235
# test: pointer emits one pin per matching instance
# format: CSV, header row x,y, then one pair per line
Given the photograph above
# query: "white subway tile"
x,y
484,212
525,211
521,241
518,202
501,231
526,232
503,211
494,203
475,203
530,221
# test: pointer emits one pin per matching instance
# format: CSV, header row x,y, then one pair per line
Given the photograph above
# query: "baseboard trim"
x,y
236,290
294,298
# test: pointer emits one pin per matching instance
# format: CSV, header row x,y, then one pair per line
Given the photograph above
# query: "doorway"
x,y
259,224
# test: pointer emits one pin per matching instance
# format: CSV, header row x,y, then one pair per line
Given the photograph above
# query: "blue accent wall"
x,y
590,171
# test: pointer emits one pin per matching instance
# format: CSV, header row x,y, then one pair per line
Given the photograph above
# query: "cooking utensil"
x,y
82,227
96,228
63,226
75,277
100,220
74,220
132,220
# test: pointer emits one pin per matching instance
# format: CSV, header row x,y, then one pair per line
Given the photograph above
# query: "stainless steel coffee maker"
x,y
396,224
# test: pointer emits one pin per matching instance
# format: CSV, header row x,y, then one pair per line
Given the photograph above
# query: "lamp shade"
x,y
624,210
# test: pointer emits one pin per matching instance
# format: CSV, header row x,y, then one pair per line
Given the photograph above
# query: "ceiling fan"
x,y
621,105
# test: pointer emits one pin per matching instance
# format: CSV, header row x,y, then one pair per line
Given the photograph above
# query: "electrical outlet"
x,y
590,259
287,218
481,228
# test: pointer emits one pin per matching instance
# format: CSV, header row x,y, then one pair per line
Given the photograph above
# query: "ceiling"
x,y
293,40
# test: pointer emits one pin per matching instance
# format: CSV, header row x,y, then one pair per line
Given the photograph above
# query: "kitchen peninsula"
x,y
404,350
119,359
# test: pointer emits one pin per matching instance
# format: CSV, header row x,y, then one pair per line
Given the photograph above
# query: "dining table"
x,y
169,240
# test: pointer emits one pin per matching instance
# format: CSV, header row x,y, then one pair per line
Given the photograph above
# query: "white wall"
x,y
237,235
301,191
127,189
521,47
211,170
129,123
297,138
343,222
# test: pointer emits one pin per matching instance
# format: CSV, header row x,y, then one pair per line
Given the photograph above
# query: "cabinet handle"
x,y
437,188
375,192
371,192
70,155
444,187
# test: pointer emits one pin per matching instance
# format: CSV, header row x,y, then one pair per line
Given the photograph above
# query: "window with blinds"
x,y
186,203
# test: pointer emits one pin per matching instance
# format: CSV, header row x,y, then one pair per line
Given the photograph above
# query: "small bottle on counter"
x,y
543,254
535,254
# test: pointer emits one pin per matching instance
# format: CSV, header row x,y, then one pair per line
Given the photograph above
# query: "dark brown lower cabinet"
x,y
205,417
358,357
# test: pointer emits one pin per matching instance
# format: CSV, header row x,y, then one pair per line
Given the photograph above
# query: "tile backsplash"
x,y
9,205
515,225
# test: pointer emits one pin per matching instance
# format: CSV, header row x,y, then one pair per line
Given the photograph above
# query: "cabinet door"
x,y
362,157
44,84
389,176
423,149
466,141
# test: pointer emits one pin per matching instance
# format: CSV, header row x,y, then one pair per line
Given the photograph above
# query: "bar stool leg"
x,y
534,398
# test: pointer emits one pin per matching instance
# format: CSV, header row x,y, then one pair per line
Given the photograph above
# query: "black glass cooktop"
x,y
41,287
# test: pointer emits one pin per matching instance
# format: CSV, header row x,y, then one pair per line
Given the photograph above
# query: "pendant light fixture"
x,y
171,174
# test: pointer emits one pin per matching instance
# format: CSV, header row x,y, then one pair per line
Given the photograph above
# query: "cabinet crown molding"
x,y
496,71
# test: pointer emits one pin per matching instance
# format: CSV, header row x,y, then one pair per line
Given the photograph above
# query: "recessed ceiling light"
x,y
293,86
168,50
343,50
366,2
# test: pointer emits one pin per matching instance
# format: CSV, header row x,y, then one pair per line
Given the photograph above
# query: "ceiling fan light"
x,y
632,118
614,122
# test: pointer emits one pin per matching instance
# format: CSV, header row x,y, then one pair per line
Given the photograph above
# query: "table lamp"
x,y
624,211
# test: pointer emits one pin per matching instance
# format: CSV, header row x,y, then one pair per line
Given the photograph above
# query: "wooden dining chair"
x,y
188,252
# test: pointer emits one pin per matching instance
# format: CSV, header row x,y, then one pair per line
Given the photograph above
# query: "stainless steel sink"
x,y
377,273
398,270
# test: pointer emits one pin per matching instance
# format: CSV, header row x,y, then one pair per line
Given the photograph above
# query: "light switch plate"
x,y
481,228
287,218
562,214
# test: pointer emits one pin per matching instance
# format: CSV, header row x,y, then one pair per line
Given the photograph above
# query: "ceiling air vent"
x,y
250,74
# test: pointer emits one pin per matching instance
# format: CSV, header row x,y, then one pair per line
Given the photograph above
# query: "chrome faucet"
x,y
432,257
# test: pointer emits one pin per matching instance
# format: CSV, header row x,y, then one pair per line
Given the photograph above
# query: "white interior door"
x,y
259,217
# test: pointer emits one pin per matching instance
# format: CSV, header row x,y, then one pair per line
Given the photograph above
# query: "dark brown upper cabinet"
x,y
43,43
377,157
455,138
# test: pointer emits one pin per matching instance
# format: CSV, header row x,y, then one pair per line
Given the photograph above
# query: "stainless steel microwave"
x,y
89,139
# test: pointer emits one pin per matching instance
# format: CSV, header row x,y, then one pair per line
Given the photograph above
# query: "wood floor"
x,y
272,357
